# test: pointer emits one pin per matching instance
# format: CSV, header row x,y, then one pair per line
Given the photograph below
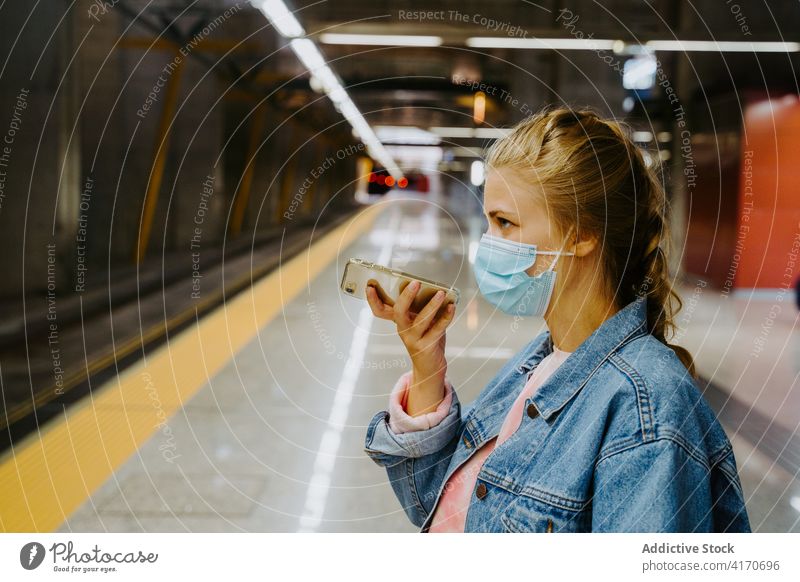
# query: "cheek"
x,y
540,265
537,267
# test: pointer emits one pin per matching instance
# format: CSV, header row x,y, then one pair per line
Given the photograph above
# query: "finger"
x,y
428,312
440,325
374,301
403,302
379,308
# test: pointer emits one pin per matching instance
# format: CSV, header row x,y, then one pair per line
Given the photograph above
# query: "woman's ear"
x,y
583,244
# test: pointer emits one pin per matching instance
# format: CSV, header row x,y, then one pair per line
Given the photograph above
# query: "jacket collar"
x,y
628,323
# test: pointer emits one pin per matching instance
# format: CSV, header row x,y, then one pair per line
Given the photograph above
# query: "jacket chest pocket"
x,y
526,514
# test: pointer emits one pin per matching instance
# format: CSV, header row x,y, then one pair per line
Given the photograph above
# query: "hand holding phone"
x,y
421,329
424,336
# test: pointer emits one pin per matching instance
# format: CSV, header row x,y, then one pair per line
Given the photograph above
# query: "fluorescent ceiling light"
x,y
280,17
540,43
337,94
596,44
470,132
491,132
452,131
404,134
323,75
639,72
380,39
642,136
723,46
308,54
425,158
353,115
477,173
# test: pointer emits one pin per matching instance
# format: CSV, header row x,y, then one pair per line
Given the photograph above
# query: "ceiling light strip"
x,y
609,44
307,52
380,39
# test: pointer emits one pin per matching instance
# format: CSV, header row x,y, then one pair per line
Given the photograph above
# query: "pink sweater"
x,y
451,512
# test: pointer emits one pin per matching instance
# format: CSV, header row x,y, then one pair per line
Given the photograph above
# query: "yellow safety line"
x,y
49,475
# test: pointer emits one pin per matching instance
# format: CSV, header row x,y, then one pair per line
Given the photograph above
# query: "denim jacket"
x,y
618,439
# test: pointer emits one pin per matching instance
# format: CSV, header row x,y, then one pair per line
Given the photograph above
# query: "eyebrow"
x,y
493,213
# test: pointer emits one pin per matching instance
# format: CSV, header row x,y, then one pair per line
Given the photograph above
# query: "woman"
x,y
597,423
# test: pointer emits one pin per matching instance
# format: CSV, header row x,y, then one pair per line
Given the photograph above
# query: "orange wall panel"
x,y
769,195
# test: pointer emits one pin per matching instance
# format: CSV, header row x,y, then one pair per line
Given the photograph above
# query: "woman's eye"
x,y
501,222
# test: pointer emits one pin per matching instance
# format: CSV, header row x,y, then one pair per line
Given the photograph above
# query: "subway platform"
x,y
275,389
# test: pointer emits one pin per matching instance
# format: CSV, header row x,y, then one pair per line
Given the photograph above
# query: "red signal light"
x,y
389,181
402,182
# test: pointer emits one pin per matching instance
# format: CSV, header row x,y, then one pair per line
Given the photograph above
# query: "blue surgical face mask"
x,y
500,267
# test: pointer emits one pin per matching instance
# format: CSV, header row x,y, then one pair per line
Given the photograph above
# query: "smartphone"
x,y
389,283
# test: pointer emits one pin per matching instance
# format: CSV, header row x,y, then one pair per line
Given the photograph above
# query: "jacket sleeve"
x,y
730,513
416,461
399,419
657,486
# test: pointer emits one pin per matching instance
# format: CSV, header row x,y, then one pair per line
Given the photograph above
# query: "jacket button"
x,y
480,492
532,412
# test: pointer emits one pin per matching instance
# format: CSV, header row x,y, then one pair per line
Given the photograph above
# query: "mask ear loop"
x,y
558,254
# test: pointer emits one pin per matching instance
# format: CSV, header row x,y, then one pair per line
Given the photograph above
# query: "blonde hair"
x,y
594,178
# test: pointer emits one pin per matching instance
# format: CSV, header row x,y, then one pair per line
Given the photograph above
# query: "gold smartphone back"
x,y
389,283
